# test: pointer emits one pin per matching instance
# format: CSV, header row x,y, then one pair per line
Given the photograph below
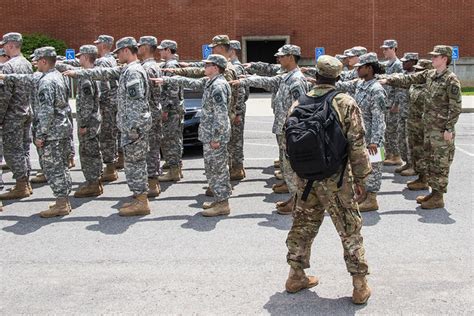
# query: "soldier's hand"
x,y
170,70
133,135
311,80
304,69
243,76
39,143
394,109
372,148
70,73
2,76
360,193
448,136
183,64
215,145
157,81
237,120
82,131
235,83
164,116
247,65
383,81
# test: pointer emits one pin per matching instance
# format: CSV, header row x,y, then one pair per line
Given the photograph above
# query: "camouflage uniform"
x,y
16,117
172,102
214,127
291,86
371,97
440,115
326,196
133,119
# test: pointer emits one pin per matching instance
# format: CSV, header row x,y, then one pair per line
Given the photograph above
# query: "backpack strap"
x,y
307,189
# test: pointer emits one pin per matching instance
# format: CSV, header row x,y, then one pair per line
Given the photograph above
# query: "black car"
x,y
192,117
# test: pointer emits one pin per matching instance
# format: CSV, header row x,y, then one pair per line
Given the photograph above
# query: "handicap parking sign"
x,y
206,51
319,51
70,54
455,55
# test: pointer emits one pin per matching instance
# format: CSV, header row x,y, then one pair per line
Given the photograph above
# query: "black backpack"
x,y
315,143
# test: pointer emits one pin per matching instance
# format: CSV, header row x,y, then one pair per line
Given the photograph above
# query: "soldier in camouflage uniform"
x,y
3,59
214,129
395,98
88,122
419,97
372,100
172,102
109,137
16,117
291,86
409,60
325,195
353,57
440,117
53,128
146,51
133,119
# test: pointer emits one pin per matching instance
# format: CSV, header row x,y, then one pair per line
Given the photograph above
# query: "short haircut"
x,y
173,51
91,57
51,60
376,67
325,80
221,70
133,49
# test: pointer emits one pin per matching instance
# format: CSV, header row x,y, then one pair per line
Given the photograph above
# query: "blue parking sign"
x,y
206,51
455,55
319,51
70,54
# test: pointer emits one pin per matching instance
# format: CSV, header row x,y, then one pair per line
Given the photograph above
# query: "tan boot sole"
x,y
312,281
362,302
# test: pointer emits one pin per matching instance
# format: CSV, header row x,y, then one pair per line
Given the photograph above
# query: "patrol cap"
x,y
423,64
410,56
87,49
125,42
367,59
390,43
2,52
220,40
235,45
32,56
104,39
340,57
346,52
168,44
148,40
11,37
47,51
217,60
442,50
328,66
289,50
356,51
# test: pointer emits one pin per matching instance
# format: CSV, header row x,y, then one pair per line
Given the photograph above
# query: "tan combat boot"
x,y
436,201
209,192
39,178
418,184
1,207
361,292
388,157
165,166
276,163
297,281
423,198
5,167
110,173
139,206
19,191
279,175
89,189
120,161
286,207
280,188
408,172
370,203
396,160
30,188
208,205
154,188
219,208
237,173
401,168
60,208
171,175
71,163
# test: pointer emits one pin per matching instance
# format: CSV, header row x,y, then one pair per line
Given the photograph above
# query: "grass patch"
x,y
467,90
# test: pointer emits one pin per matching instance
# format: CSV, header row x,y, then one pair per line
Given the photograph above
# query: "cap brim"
x,y
97,42
404,59
385,46
434,53
207,61
359,64
2,43
116,50
212,45
78,54
418,67
159,47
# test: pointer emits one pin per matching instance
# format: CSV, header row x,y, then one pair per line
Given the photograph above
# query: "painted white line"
x,y
264,145
471,145
255,131
464,151
259,122
259,158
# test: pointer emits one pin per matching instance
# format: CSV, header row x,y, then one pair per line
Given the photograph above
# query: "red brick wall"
x,y
335,24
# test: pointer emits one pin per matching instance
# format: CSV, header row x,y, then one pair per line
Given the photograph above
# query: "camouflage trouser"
x,y
135,153
374,180
172,141
55,155
308,216
72,151
416,137
16,146
285,167
217,172
439,155
391,135
38,150
154,139
91,157
236,144
403,140
108,131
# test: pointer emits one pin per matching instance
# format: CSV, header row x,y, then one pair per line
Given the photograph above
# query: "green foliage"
x,y
37,40
467,90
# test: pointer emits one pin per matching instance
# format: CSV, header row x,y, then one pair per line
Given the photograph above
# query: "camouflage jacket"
x,y
108,88
153,71
264,69
15,101
172,98
395,96
419,96
290,86
372,99
445,103
133,115
352,125
404,100
215,124
244,92
348,75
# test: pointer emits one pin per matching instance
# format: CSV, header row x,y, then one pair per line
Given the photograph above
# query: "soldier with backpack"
x,y
338,122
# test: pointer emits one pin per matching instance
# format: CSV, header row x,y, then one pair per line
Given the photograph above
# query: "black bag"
x,y
315,143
